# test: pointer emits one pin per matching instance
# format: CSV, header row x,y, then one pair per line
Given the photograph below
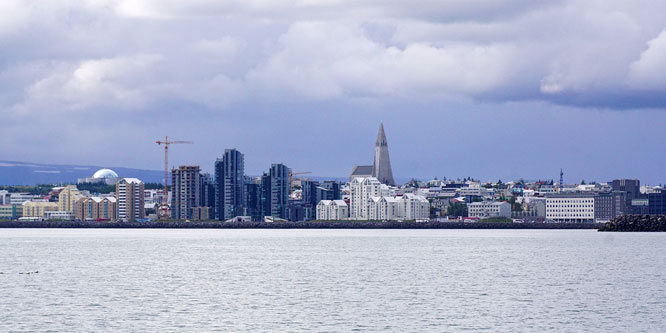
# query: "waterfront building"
x,y
265,195
229,185
372,200
68,197
489,209
186,189
251,203
609,205
202,213
570,208
95,208
106,176
640,206
310,197
361,190
130,199
657,202
38,208
59,215
208,192
332,210
372,209
413,207
279,190
11,212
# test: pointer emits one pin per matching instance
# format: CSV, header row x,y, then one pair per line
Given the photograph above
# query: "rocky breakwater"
x,y
636,223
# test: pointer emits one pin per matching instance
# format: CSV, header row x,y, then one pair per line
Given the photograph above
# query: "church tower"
x,y
381,166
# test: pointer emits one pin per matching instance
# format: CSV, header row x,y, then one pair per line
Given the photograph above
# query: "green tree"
x,y
457,209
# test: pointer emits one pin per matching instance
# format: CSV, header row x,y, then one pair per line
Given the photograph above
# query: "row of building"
x,y
68,203
230,194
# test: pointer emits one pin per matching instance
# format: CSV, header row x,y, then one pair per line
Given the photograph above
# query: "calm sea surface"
x,y
331,280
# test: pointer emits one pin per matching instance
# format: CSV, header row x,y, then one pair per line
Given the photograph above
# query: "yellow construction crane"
x,y
164,211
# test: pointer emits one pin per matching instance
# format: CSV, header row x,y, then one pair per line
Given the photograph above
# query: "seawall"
x,y
636,223
295,225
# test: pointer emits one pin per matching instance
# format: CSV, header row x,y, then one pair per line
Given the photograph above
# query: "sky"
x,y
487,89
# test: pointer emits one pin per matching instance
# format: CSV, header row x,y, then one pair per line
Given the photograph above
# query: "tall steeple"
x,y
381,166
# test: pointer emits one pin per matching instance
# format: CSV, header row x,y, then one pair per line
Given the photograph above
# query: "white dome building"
x,y
103,175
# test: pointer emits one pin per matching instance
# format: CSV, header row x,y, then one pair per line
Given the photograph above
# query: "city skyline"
x,y
462,89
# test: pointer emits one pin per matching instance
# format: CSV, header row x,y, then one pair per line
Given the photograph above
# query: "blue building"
x,y
229,185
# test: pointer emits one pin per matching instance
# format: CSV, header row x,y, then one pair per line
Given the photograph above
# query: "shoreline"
x,y
294,225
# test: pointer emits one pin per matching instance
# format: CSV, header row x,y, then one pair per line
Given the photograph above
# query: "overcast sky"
x,y
490,89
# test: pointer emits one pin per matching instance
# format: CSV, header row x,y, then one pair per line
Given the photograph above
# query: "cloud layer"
x,y
74,65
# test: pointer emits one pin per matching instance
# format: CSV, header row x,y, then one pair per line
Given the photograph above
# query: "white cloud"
x,y
78,55
649,72
109,82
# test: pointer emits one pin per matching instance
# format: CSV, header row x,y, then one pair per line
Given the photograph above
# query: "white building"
x,y
130,199
4,197
473,190
371,200
332,210
487,209
59,215
20,198
106,176
413,207
389,208
361,190
570,208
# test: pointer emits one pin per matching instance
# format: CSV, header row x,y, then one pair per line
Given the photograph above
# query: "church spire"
x,y
381,166
381,136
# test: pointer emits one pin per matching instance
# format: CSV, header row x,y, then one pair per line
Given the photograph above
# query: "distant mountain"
x,y
23,173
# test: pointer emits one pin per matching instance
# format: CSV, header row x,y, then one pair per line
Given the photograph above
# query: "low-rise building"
x,y
59,215
202,213
38,208
11,212
489,209
413,207
20,198
96,209
332,210
570,208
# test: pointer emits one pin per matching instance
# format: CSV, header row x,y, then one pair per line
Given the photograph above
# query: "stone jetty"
x,y
636,223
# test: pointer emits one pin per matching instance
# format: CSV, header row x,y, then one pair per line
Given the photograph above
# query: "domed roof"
x,y
105,173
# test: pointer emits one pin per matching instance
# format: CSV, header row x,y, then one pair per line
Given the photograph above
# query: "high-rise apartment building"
x,y
68,197
265,195
186,191
252,200
130,199
362,189
229,180
208,192
280,185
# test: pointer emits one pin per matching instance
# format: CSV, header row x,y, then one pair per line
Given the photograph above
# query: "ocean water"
x,y
331,280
